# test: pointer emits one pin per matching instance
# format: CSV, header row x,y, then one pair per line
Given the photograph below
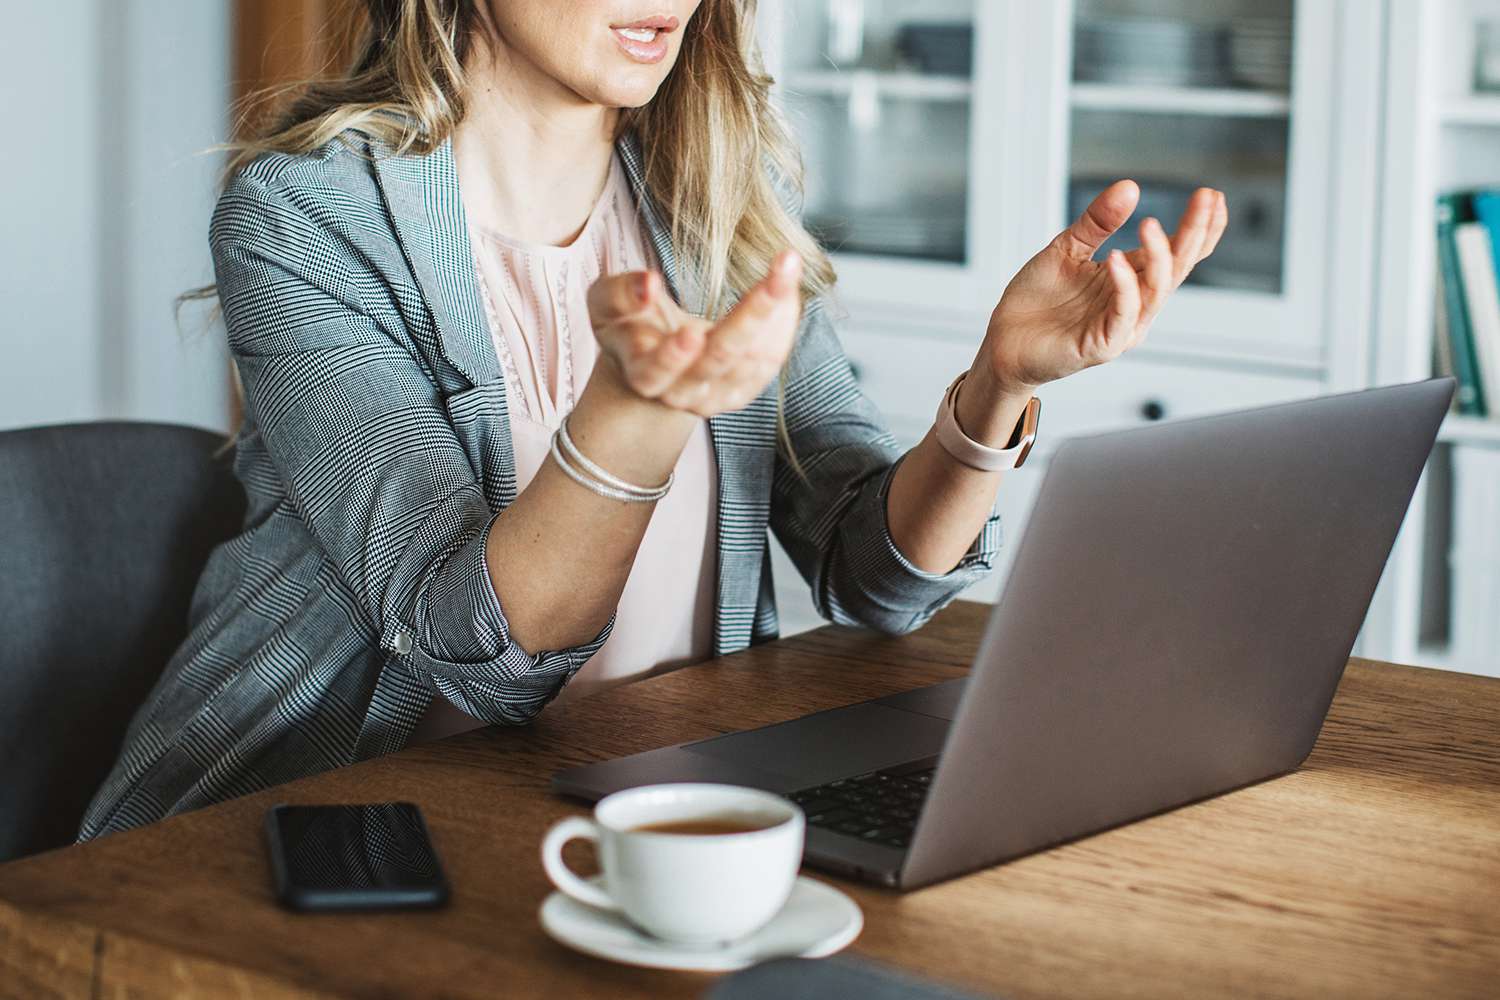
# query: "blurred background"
x,y
1358,142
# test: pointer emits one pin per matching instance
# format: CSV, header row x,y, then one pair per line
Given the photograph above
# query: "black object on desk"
x,y
828,979
361,857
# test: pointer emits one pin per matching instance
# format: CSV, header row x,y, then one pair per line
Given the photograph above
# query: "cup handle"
x,y
573,828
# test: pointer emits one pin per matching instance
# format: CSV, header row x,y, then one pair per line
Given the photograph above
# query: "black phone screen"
x,y
353,857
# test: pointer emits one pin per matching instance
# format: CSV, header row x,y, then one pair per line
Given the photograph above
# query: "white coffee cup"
x,y
688,888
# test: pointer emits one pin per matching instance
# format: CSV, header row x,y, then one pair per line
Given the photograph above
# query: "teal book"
x,y
1487,211
1452,210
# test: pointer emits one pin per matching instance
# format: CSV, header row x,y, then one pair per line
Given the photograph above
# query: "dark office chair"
x,y
104,529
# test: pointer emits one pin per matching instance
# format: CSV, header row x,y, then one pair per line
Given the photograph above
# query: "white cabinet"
x,y
935,172
946,142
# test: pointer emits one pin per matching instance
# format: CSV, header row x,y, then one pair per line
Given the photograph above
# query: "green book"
x,y
1452,210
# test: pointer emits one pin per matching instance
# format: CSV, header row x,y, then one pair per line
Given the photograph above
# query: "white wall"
x,y
110,103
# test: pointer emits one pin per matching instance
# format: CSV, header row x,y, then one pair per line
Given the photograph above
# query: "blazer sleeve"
x,y
833,522
356,428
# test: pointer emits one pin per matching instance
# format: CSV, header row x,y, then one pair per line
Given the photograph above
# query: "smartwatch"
x,y
969,452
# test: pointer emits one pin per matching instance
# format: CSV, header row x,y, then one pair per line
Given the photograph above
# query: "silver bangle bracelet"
x,y
633,495
603,476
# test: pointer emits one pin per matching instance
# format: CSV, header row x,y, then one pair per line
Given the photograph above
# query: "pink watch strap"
x,y
975,455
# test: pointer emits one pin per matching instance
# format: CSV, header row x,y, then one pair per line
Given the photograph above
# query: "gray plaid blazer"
x,y
375,453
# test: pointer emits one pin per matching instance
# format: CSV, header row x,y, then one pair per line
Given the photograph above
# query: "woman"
x,y
489,444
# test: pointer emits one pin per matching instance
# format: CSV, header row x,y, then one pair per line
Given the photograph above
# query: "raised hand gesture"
x,y
687,363
1064,311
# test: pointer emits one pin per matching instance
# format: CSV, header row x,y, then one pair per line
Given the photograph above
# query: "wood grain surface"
x,y
1374,870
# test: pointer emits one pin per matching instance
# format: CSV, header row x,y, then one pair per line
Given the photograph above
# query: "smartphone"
x,y
365,857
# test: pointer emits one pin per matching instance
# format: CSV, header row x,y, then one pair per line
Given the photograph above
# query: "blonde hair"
x,y
718,158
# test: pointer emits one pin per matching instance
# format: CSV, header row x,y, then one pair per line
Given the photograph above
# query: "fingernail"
x,y
643,286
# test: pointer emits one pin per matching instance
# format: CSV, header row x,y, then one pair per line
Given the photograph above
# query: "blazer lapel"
x,y
744,452
422,195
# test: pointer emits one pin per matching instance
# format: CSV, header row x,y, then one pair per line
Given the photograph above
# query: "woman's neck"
x,y
532,156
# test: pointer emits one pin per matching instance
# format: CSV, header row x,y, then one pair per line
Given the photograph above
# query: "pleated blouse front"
x,y
535,296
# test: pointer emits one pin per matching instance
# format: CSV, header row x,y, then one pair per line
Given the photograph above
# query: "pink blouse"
x,y
535,296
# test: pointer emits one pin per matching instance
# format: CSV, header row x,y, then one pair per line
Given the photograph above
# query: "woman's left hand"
x,y
1064,311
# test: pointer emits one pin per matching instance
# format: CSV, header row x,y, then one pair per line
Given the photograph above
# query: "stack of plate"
x,y
1260,52
1151,51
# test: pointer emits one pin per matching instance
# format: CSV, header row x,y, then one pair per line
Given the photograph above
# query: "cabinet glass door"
x,y
1181,93
878,93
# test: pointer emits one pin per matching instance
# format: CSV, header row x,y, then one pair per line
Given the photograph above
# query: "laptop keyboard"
x,y
881,807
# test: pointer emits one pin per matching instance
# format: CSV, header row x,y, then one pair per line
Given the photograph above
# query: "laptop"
x,y
1173,626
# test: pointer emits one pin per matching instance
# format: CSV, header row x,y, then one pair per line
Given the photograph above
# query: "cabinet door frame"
x,y
910,290
1286,329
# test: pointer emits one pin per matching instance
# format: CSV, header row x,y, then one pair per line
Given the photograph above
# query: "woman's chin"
x,y
627,90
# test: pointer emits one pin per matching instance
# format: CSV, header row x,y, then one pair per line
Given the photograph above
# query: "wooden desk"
x,y
1374,870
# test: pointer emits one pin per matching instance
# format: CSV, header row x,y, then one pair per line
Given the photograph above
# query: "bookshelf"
x,y
1441,135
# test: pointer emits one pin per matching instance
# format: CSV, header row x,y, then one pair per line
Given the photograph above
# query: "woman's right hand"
x,y
685,362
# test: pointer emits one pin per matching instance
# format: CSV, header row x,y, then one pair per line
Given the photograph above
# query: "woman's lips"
x,y
645,41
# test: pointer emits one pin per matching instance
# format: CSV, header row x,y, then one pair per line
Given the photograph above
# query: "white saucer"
x,y
817,920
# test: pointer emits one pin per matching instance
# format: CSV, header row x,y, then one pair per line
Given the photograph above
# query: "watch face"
x,y
1028,429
